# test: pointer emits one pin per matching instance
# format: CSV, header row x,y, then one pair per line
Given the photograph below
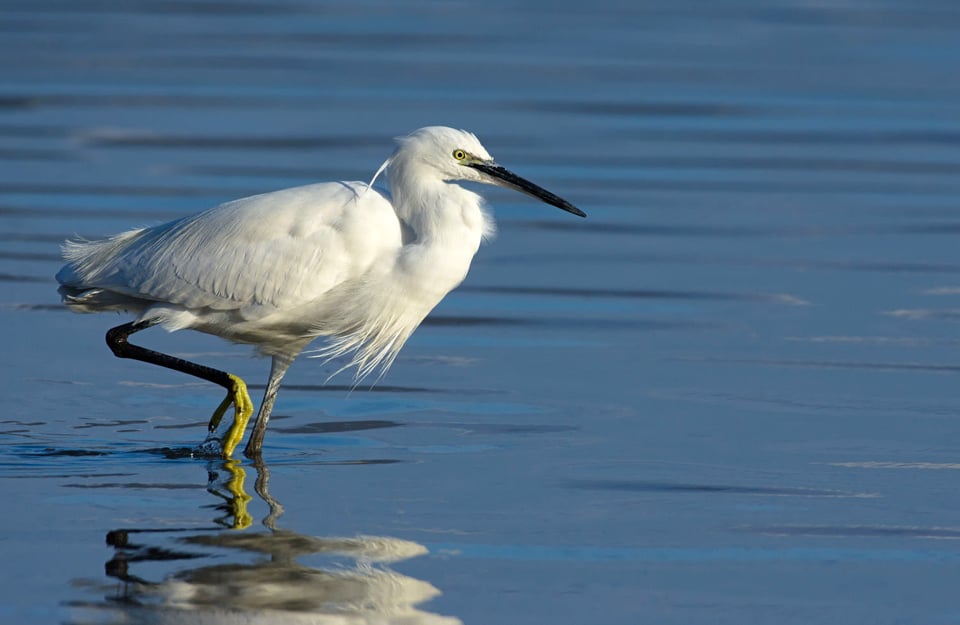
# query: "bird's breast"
x,y
431,271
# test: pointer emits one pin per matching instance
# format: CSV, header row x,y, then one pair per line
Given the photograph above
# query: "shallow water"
x,y
728,396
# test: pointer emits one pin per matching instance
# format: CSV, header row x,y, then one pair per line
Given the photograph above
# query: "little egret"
x,y
339,260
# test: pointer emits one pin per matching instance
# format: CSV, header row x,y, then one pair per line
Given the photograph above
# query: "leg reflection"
x,y
262,486
226,575
228,484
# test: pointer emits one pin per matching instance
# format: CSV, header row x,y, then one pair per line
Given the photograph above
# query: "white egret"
x,y
339,260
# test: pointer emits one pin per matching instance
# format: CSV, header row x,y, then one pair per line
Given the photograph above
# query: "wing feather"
x,y
254,256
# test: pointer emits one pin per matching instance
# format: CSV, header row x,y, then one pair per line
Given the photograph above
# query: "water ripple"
x,y
642,486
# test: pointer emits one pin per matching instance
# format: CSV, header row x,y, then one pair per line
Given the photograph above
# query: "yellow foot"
x,y
242,410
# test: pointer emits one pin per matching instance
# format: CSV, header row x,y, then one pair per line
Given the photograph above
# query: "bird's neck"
x,y
439,213
444,225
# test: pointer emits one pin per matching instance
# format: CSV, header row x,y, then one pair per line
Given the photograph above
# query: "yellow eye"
x,y
460,155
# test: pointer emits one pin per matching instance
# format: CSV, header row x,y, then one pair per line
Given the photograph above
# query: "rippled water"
x,y
728,396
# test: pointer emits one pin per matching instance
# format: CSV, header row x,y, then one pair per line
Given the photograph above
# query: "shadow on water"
x,y
263,582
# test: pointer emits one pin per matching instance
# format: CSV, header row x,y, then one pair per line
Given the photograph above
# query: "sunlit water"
x,y
728,396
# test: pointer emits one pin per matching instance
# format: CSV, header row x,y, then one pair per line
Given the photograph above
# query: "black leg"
x,y
117,340
236,388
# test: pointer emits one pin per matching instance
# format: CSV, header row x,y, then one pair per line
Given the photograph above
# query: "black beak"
x,y
507,178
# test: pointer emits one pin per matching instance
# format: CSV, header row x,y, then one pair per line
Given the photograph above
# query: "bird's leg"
x,y
236,388
278,368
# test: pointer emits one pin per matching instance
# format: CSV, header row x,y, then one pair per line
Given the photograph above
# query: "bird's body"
x,y
339,260
329,261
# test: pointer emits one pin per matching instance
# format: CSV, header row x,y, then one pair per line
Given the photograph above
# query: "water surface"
x,y
728,396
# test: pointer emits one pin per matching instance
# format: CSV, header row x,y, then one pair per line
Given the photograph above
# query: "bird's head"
x,y
455,154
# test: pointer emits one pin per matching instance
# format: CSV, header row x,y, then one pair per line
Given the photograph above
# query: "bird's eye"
x,y
460,155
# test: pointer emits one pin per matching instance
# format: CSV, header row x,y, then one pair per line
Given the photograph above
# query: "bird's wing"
x,y
255,255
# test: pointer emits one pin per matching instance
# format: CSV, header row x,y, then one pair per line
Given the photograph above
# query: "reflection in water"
x,y
354,587
236,498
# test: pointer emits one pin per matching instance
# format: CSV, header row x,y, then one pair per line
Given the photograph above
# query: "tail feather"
x,y
89,261
85,278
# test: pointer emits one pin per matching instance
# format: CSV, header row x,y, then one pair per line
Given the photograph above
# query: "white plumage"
x,y
340,260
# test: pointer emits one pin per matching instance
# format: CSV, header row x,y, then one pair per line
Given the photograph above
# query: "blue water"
x,y
728,396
